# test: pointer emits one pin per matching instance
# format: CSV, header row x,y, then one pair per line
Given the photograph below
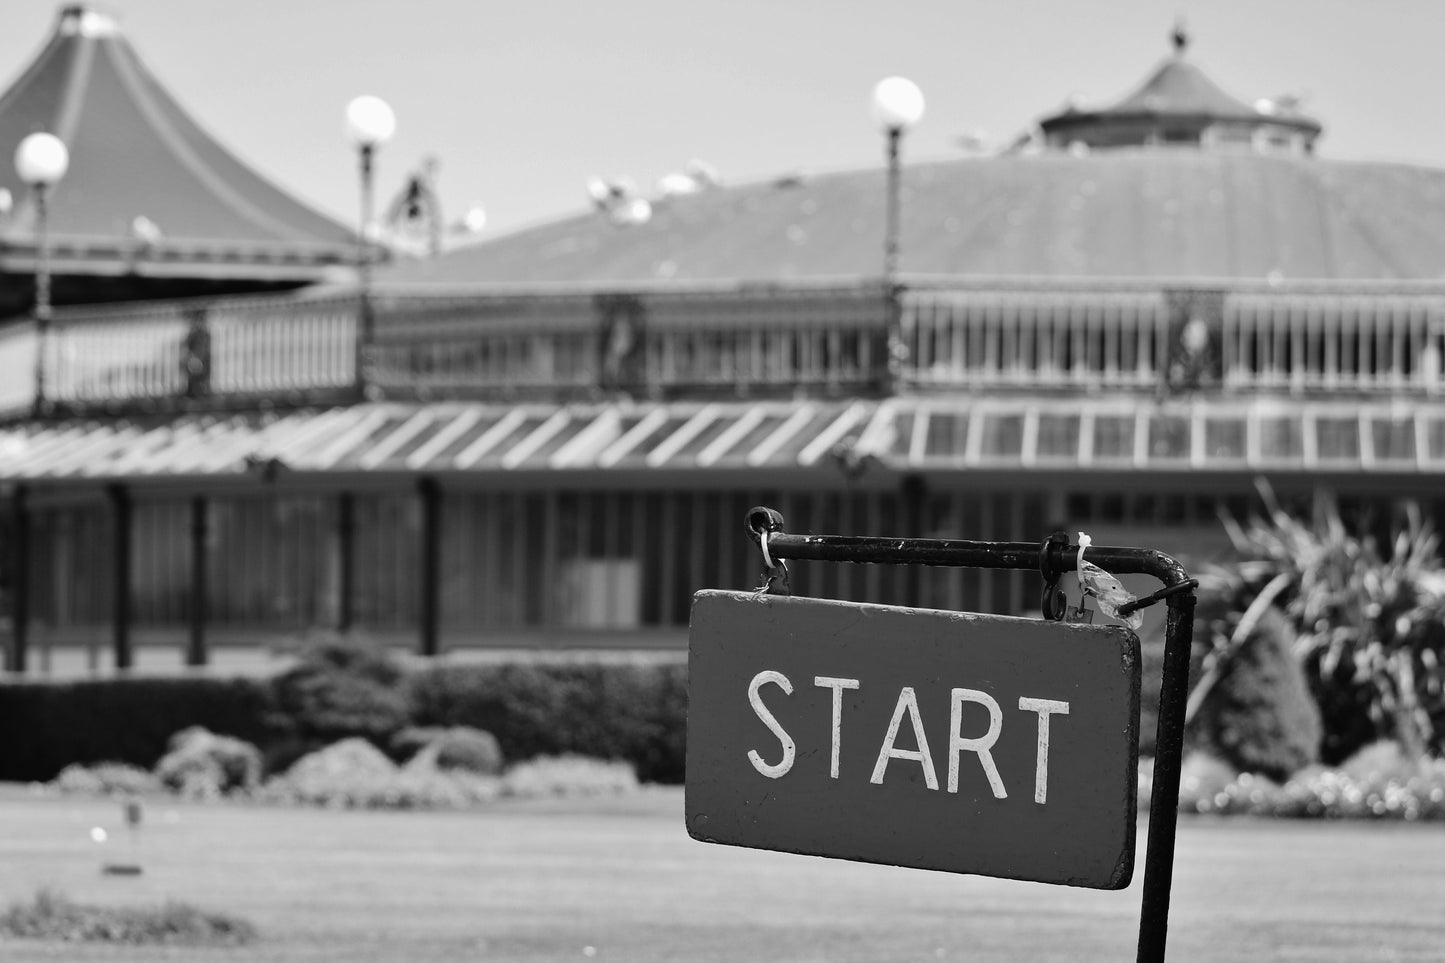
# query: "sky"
x,y
522,102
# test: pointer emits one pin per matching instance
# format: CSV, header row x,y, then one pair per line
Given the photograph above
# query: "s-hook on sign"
x,y
940,740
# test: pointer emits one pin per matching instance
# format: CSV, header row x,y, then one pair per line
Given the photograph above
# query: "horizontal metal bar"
x,y
967,554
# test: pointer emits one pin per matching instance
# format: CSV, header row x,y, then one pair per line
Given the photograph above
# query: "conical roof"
x,y
148,190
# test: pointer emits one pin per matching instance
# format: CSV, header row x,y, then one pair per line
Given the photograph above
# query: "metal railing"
x,y
736,341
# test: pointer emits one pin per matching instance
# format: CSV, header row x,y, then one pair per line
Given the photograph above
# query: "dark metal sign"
x,y
940,740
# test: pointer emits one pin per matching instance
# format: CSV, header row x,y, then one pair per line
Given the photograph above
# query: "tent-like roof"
x,y
1178,98
907,434
1137,214
148,191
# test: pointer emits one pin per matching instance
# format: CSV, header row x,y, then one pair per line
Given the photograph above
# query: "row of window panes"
x,y
1281,438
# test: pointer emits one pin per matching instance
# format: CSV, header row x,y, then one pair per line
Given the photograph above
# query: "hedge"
x,y
47,726
631,712
634,712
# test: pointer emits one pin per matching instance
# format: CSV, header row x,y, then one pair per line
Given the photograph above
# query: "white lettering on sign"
x,y
781,768
980,745
958,743
907,702
837,685
1045,708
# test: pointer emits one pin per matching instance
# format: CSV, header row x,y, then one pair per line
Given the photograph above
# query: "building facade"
x,y
551,439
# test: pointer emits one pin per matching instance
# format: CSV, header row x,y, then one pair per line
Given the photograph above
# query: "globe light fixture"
x,y
41,160
370,122
897,103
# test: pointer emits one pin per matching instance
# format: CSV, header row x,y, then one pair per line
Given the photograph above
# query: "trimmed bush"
x,y
203,765
568,776
455,747
1260,716
349,757
106,779
354,774
50,725
341,686
636,713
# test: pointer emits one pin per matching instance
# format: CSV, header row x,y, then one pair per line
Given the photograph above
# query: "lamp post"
x,y
41,161
369,123
897,106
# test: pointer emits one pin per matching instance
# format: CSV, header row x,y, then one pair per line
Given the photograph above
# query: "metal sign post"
x,y
770,679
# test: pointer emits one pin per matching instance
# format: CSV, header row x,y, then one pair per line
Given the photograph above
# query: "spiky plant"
x,y
1370,626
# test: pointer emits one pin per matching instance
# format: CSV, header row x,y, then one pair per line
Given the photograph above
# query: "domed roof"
x,y
1128,214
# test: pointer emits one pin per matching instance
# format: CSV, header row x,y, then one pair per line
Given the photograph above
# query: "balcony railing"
x,y
734,342
1237,342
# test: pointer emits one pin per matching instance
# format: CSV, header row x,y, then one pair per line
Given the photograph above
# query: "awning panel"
x,y
900,434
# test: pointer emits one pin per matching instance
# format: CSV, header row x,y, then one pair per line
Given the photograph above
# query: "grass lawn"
x,y
620,880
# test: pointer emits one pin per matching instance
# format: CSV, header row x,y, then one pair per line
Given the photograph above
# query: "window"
x,y
1281,439
1058,437
1169,437
1393,438
1002,436
1114,438
1338,439
1224,439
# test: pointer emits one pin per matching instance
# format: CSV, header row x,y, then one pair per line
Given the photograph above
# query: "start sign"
x,y
940,740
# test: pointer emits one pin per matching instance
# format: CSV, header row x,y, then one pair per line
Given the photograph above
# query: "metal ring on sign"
x,y
763,537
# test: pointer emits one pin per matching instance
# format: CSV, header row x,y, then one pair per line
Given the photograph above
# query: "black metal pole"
x,y
120,569
366,322
196,653
1168,761
892,291
20,580
345,561
431,563
42,290
1174,688
893,201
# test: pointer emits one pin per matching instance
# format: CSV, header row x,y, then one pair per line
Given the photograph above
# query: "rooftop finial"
x,y
1180,37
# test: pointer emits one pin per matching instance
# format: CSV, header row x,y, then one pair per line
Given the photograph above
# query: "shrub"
x,y
121,720
52,916
1371,620
1259,715
568,776
454,747
342,686
632,712
354,774
203,765
349,757
106,778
